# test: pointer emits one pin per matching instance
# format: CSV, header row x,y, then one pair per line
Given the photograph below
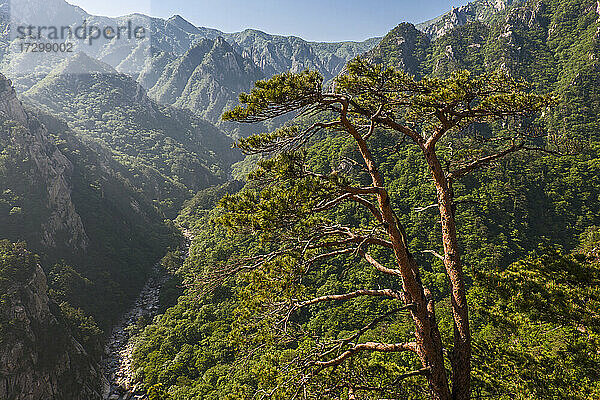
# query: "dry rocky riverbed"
x,y
116,363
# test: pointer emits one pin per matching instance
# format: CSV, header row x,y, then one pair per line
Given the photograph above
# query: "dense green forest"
x,y
527,229
108,270
334,248
169,153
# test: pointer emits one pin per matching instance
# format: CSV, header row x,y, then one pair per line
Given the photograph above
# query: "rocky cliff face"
x,y
206,79
479,10
276,54
62,226
39,359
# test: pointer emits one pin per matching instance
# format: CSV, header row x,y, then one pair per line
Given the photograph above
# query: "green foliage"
x,y
533,315
194,211
16,264
37,334
66,284
537,327
205,79
288,90
111,270
490,96
404,47
84,329
166,153
521,348
191,344
553,44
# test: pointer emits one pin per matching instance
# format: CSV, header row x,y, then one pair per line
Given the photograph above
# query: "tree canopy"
x,y
482,118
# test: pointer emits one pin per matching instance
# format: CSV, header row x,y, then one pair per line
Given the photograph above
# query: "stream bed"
x,y
116,363
118,350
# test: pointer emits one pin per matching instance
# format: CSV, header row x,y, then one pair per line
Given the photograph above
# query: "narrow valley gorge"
x,y
116,361
195,214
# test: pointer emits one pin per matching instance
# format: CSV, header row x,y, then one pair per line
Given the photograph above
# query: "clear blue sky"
x,y
320,20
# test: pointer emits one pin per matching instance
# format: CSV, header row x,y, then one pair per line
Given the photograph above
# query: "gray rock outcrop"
x,y
39,358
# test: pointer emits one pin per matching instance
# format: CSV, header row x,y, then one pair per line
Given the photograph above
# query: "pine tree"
x,y
474,120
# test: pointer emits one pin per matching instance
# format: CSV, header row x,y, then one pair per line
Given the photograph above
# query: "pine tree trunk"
x,y
461,354
427,335
429,345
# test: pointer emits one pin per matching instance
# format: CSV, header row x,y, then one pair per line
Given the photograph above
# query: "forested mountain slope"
x,y
555,45
70,199
97,235
528,234
36,180
170,152
206,79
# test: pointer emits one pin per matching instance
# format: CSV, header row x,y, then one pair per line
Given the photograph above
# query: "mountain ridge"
x,y
134,127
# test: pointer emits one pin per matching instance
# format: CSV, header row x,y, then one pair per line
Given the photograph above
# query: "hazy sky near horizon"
x,y
319,20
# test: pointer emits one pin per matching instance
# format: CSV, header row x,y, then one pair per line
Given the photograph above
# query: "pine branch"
x,y
369,346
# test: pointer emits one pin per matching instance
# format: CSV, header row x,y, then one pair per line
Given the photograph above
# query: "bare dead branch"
x,y
371,325
347,296
372,125
348,196
330,254
435,253
332,203
370,346
378,266
544,150
421,209
484,161
372,208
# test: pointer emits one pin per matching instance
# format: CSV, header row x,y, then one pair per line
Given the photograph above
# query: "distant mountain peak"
x,y
81,63
196,52
403,47
221,43
180,22
256,32
177,18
